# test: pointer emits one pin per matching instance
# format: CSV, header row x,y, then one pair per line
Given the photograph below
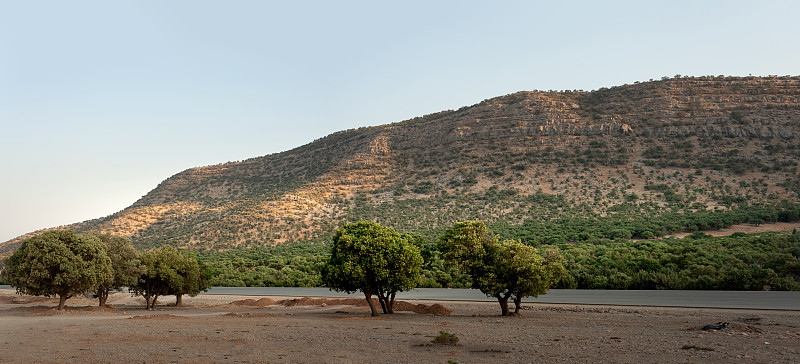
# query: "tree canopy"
x,y
59,263
169,271
125,264
502,270
373,259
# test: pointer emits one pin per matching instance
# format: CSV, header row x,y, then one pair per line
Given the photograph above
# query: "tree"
x,y
373,259
161,273
521,272
194,278
502,270
59,263
169,271
125,264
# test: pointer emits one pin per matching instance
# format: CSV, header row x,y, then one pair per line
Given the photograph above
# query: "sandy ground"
x,y
212,329
746,228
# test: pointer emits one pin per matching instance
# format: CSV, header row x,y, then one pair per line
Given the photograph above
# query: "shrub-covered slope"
x,y
681,145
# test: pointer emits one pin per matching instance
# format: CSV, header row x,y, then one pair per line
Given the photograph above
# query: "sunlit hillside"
x,y
679,145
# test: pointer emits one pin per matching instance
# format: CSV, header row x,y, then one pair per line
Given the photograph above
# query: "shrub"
x,y
445,338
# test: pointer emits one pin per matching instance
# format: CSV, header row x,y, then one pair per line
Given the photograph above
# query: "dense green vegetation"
x,y
766,261
598,253
624,225
288,265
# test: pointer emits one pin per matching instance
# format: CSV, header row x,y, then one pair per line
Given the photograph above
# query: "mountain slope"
x,y
682,144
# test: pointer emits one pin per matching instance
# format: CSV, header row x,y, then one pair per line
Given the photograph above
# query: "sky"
x,y
100,101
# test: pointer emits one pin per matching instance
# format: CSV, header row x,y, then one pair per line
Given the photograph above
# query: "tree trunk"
x,y
62,299
382,301
178,300
151,301
503,304
102,296
371,304
517,304
387,301
390,304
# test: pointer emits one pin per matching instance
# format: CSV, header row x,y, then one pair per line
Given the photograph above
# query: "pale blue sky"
x,y
102,100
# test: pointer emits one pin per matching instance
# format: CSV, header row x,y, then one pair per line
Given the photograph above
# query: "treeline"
x,y
699,261
613,252
635,226
766,261
65,264
287,265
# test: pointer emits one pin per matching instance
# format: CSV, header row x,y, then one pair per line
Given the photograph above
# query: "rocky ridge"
x,y
701,137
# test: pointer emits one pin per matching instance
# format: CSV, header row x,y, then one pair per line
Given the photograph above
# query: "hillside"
x,y
674,145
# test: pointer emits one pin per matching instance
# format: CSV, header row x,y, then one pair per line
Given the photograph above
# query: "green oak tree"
x,y
502,270
59,263
375,260
159,274
520,271
194,277
169,271
125,263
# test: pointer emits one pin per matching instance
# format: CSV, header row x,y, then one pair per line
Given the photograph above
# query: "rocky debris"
x,y
716,326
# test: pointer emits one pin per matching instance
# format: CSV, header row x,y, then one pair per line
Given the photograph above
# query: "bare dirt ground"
x,y
236,329
747,228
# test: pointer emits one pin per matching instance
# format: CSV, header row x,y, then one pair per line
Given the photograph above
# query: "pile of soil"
x,y
256,303
421,308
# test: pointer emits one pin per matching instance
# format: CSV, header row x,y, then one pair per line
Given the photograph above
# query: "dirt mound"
x,y
308,301
256,303
405,306
305,301
359,302
434,309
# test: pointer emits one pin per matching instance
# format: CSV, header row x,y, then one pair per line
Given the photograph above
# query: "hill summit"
x,y
679,144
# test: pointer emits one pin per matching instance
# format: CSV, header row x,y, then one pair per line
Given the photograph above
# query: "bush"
x,y
445,338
